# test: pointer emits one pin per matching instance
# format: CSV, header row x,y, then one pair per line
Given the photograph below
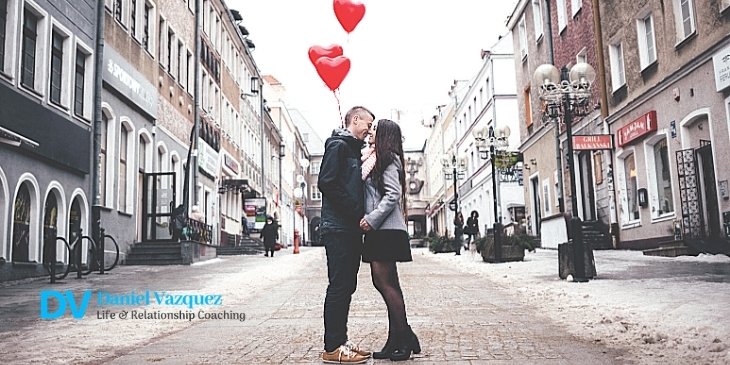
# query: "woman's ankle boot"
x,y
387,349
415,344
404,346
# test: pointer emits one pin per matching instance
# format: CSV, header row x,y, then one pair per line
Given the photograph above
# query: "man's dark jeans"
x,y
343,262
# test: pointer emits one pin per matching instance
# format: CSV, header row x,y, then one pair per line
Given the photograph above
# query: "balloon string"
x,y
339,107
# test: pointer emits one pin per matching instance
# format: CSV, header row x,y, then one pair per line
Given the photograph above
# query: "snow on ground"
x,y
661,310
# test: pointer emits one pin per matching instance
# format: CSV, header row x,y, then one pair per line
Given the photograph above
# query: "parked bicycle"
x,y
54,267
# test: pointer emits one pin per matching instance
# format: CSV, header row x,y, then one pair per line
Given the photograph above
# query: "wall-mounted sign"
x,y
593,142
721,62
640,127
120,75
208,160
231,164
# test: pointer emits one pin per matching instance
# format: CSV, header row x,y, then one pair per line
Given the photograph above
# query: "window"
x,y
616,57
575,6
663,178
562,15
523,37
190,71
647,45
3,31
147,27
630,190
684,16
556,189
180,63
546,195
133,20
316,194
582,56
528,107
30,35
161,42
79,83
118,11
102,158
123,141
537,18
170,48
56,67
314,169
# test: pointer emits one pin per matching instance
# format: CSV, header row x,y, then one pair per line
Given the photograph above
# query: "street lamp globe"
x,y
583,74
304,162
503,132
546,75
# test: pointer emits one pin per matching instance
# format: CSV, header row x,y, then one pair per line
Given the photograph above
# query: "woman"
x,y
458,232
472,228
270,233
386,235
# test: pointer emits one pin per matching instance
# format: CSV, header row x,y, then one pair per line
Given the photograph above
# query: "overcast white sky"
x,y
405,54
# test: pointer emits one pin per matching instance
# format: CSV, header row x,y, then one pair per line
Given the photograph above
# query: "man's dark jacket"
x,y
341,183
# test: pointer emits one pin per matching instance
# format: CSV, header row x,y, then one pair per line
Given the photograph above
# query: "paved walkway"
x,y
459,320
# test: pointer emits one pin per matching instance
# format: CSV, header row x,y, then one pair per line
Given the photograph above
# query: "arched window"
x,y
21,224
123,149
102,159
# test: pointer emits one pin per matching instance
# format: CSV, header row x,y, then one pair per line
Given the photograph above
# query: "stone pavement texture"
x,y
458,320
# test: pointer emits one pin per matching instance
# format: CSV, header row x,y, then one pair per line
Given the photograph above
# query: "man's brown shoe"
x,y
353,347
343,355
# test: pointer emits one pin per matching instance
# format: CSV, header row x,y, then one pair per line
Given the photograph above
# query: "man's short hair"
x,y
359,111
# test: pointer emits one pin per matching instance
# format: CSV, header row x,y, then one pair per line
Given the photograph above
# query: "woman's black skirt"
x,y
387,245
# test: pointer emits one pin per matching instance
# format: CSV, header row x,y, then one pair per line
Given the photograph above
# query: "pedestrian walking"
x,y
386,234
458,232
270,234
471,230
342,208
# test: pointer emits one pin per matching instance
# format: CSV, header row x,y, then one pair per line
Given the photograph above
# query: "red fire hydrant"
x,y
296,241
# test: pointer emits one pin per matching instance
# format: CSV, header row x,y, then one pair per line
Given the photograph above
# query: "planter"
x,y
513,249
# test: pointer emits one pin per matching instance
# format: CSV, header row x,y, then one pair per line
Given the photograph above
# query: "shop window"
x,y
631,208
663,180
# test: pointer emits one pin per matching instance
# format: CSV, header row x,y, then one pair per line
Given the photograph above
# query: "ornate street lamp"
x,y
568,94
455,170
491,144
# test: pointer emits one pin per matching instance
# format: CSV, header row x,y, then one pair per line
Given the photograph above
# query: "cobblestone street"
x,y
459,320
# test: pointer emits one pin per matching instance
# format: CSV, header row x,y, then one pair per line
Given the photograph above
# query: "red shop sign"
x,y
594,142
640,127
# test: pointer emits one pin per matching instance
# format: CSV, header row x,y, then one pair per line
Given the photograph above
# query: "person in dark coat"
x,y
270,234
472,228
458,232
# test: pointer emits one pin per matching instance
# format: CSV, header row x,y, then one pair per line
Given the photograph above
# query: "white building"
x,y
490,101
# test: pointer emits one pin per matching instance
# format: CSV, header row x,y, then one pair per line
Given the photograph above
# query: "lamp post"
x,y
568,94
497,141
303,184
454,170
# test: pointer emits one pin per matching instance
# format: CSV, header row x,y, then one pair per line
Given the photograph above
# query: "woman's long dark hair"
x,y
388,147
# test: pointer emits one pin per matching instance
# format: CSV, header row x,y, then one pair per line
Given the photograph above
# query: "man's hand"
x,y
365,226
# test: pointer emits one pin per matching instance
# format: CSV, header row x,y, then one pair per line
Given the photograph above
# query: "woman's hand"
x,y
365,226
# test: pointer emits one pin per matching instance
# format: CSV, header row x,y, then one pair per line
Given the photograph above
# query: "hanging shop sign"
x,y
640,127
593,142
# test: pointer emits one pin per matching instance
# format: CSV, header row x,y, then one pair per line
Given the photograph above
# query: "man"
x,y
341,185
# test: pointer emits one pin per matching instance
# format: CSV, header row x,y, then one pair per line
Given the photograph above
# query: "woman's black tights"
x,y
385,279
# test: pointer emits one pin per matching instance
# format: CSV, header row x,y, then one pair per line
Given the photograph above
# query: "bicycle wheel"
x,y
111,250
65,268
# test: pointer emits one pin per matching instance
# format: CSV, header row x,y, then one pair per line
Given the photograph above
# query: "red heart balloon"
x,y
349,13
331,51
332,70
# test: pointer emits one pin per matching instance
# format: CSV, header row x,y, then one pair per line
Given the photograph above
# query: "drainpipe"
x,y
558,154
601,63
96,145
196,113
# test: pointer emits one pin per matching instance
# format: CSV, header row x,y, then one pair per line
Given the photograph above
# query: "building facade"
x,y
46,112
666,70
490,102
